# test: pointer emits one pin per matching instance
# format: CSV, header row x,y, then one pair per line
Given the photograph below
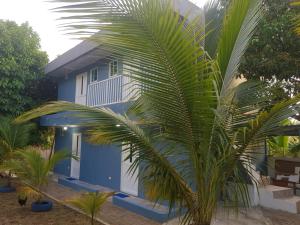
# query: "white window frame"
x,y
109,68
91,75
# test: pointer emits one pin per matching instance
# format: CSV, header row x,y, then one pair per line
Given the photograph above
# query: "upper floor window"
x,y
113,68
93,75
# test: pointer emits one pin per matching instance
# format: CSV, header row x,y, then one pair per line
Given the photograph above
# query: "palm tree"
x,y
90,203
191,127
33,170
13,137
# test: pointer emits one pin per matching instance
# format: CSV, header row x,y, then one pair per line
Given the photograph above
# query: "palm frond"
x,y
239,24
90,203
31,168
14,136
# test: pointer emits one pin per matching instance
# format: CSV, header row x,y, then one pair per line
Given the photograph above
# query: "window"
x,y
93,75
113,68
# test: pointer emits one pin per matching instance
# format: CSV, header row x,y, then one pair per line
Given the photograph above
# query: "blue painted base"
x,y
79,185
121,195
43,206
140,206
7,189
143,207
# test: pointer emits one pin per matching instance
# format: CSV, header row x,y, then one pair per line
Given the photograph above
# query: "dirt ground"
x,y
278,217
11,213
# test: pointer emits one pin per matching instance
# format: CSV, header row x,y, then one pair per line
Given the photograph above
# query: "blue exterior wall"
x,y
66,88
63,141
100,164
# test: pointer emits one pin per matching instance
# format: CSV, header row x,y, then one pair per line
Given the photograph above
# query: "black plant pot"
x,y
42,206
7,189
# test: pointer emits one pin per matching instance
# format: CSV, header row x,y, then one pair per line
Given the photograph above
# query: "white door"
x,y
76,151
129,181
81,89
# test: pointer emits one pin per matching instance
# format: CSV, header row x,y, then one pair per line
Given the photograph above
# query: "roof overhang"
x,y
88,52
82,55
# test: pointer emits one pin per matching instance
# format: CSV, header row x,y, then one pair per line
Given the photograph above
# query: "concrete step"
x,y
278,192
279,198
291,205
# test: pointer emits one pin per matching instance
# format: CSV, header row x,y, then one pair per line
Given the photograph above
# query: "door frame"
x,y
129,183
76,151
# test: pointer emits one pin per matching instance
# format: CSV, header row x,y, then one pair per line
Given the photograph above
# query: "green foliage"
x,y
209,124
13,137
297,19
294,149
283,146
90,203
32,169
274,50
21,63
278,146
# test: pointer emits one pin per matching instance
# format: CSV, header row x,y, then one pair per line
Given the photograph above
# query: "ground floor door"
x,y
76,151
129,181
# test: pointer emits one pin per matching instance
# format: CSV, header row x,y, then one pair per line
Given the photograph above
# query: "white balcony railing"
x,y
116,89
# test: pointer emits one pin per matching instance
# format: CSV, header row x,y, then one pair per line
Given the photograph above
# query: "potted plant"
x,y
90,203
33,170
13,137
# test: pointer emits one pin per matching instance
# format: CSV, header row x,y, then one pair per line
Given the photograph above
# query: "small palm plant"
x,y
13,137
33,170
194,129
90,203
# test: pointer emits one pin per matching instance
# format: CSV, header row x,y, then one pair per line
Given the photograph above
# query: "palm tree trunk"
x,y
9,179
92,219
202,223
203,216
52,149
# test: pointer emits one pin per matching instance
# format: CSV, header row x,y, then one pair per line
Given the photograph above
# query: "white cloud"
x,y
44,22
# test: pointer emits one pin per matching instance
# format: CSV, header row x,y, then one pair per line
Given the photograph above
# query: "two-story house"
x,y
88,75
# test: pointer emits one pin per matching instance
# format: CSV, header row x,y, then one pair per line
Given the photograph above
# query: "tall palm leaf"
x,y
193,131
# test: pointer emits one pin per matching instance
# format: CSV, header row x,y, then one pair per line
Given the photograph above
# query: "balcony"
x,y
117,89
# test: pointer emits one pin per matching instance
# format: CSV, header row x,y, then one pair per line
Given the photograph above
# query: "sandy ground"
x,y
281,218
11,213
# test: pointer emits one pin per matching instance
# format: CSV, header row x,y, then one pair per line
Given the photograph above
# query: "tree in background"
x,y
21,65
297,19
274,51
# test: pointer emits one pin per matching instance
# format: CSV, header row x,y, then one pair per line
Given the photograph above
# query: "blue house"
x,y
88,75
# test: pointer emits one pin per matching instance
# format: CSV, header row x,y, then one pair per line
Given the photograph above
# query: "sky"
x,y
39,16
